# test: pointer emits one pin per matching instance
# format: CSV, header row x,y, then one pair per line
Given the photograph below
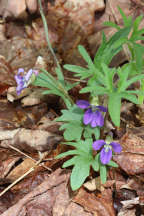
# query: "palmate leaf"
x,y
139,52
80,172
69,86
80,71
70,162
73,130
103,173
89,131
109,74
74,113
127,20
132,80
86,57
59,74
99,90
136,24
111,24
122,33
131,97
114,105
84,147
123,74
82,161
100,50
70,152
96,162
112,164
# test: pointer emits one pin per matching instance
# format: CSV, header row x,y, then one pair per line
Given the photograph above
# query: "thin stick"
x,y
23,176
46,33
14,148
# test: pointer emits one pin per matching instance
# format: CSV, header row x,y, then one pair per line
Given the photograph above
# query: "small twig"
x,y
47,36
16,181
14,148
23,176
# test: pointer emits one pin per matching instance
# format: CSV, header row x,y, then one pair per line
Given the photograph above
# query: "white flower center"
x,y
107,147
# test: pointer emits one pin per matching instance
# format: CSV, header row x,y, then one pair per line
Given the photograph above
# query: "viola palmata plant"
x,y
84,121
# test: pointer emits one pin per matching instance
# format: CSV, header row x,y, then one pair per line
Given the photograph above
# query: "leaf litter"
x,y
25,132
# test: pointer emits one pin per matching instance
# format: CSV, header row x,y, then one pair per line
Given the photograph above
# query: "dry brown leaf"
x,y
12,94
132,164
94,184
127,212
6,166
12,117
20,169
34,140
40,200
98,205
8,134
74,209
133,141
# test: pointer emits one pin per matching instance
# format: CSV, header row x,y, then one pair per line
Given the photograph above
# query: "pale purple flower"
x,y
92,115
107,149
23,80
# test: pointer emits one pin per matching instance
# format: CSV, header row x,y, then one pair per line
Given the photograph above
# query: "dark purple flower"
x,y
92,114
23,81
106,151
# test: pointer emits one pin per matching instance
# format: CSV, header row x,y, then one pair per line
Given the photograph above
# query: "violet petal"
x,y
102,108
105,156
83,104
19,88
116,147
94,120
98,119
98,144
28,75
88,115
18,79
20,70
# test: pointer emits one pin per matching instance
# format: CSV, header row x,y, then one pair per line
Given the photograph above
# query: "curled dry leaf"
x,y
36,97
34,140
131,160
133,141
132,164
74,208
96,205
15,9
21,169
6,166
12,94
41,199
8,134
12,117
94,184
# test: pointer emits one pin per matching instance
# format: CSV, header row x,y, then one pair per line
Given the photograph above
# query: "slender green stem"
x,y
61,88
47,36
141,97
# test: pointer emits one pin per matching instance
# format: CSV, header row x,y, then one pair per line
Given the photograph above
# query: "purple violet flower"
x,y
23,81
106,151
92,114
